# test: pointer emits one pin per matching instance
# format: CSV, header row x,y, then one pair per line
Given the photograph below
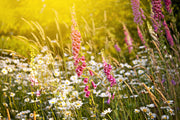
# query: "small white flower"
x,y
171,111
89,52
136,110
67,82
134,96
125,96
5,89
56,73
5,104
165,117
108,110
75,93
92,57
10,69
122,71
12,54
92,62
140,72
127,73
65,54
145,109
19,76
8,60
31,115
169,102
141,47
78,104
52,101
67,114
150,105
151,115
63,86
103,95
40,62
135,62
4,71
170,56
96,92
165,107
26,100
12,94
74,78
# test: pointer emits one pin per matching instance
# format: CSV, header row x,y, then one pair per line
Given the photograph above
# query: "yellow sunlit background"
x,y
100,21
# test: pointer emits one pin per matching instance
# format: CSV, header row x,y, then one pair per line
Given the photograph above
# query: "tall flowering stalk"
x,y
136,12
80,66
107,70
142,14
168,5
128,39
157,14
118,49
80,62
168,34
140,35
75,37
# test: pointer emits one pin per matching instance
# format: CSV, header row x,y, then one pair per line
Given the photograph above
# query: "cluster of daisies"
x,y
45,89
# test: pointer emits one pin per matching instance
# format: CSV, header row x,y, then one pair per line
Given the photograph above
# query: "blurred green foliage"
x,y
100,22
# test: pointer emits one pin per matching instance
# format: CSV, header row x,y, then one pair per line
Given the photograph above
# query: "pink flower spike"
x,y
85,80
168,34
93,84
76,62
118,49
140,36
91,73
83,59
83,64
86,89
87,94
128,39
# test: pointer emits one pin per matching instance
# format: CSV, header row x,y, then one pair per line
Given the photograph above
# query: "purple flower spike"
x,y
168,5
137,14
163,80
157,14
168,34
173,82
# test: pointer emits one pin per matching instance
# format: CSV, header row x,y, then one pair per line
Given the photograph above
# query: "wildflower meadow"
x,y
89,60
